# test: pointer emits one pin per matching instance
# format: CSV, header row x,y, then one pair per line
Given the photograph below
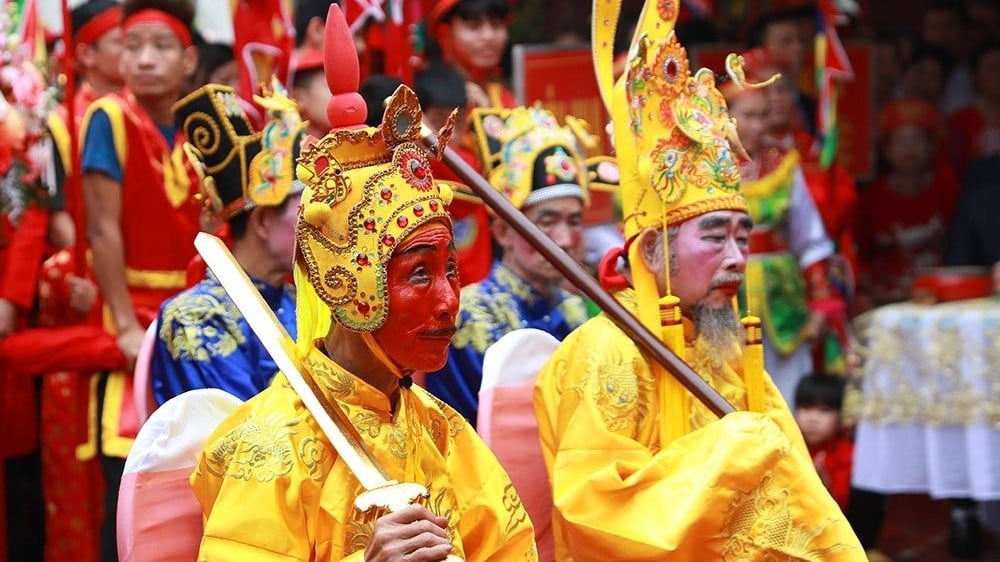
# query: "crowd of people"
x,y
738,245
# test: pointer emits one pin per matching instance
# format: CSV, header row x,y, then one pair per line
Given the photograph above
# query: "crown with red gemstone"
x,y
367,189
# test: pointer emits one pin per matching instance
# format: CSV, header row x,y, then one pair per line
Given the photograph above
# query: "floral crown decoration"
x,y
529,157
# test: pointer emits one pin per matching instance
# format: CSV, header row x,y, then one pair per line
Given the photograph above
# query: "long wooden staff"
x,y
582,280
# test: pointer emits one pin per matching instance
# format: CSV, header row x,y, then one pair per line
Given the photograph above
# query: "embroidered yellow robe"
x,y
273,489
738,489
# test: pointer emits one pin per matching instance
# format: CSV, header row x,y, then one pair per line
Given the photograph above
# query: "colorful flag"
x,y
832,66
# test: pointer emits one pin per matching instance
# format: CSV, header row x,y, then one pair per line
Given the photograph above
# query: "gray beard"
x,y
718,328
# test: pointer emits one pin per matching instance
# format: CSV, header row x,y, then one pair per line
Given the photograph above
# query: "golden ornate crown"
x,y
367,188
529,157
673,135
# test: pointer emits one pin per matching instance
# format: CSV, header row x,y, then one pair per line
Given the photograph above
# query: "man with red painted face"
x,y
473,36
377,295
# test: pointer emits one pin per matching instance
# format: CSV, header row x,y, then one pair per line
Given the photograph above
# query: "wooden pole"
x,y
582,280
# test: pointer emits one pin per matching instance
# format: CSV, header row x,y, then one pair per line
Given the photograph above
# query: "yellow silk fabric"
x,y
272,487
738,489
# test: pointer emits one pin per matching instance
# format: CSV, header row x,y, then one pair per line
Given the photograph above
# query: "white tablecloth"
x,y
930,403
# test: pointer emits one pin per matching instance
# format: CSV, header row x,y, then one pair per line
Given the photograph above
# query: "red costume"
x,y
898,234
73,489
834,459
159,220
902,230
972,137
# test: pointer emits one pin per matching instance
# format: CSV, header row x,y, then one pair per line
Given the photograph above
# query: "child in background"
x,y
904,215
818,399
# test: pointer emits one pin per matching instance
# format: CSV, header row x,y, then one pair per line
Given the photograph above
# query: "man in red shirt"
x,y
141,212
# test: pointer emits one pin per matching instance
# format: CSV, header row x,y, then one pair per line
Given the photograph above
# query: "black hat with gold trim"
x,y
241,169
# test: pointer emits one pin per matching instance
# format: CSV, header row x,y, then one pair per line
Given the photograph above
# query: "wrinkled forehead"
x,y
436,235
728,220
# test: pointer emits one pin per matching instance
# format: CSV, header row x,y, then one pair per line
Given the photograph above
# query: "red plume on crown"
x,y
347,108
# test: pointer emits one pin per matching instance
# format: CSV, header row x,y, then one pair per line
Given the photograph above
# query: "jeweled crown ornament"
x,y
529,157
367,188
674,138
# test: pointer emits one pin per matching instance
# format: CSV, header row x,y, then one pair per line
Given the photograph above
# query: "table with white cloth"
x,y
929,419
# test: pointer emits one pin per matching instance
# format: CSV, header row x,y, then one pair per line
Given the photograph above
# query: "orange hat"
x,y
307,59
434,10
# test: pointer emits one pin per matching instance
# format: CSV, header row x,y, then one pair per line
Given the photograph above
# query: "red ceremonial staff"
x,y
582,280
69,96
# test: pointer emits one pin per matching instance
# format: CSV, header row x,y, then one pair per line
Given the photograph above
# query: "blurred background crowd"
x,y
892,108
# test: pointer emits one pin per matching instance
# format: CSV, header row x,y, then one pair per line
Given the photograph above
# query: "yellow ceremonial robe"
x,y
738,489
273,489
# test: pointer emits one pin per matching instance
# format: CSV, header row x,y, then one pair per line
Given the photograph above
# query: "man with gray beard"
x,y
640,469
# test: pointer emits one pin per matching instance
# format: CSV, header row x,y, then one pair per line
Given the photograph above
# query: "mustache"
x,y
727,279
440,332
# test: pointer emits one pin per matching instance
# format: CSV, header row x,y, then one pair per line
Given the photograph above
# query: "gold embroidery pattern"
x,y
516,514
396,441
616,392
257,449
201,327
490,312
442,504
367,422
332,380
456,423
473,330
759,522
313,452
359,532
932,365
721,376
574,310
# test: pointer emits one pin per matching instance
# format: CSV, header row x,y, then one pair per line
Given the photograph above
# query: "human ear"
x,y
502,232
650,249
190,60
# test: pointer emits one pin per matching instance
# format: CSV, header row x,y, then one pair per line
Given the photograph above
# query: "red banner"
x,y
563,81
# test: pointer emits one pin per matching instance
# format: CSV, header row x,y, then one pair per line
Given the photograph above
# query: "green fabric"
x,y
778,298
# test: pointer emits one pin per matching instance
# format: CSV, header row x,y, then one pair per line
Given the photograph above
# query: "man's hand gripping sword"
x,y
382,494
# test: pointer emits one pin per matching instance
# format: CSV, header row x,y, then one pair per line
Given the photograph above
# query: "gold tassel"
x,y
753,363
673,395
